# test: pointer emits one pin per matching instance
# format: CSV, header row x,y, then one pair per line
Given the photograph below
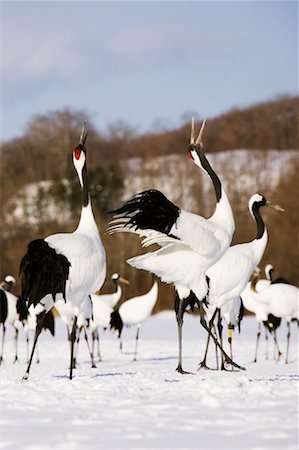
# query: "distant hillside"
x,y
43,153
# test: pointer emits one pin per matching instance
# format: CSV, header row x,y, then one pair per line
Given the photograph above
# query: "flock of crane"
x,y
67,270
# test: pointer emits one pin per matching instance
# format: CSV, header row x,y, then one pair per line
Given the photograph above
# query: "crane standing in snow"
x,y
189,243
230,274
103,305
68,265
11,312
134,312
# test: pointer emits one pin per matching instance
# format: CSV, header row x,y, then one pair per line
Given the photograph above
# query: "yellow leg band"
x,y
229,333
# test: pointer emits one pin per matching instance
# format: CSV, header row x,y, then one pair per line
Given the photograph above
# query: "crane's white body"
x,y
85,252
137,309
185,262
101,313
12,313
108,299
255,304
229,276
281,300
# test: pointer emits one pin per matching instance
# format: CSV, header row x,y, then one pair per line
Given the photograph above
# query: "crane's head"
x,y
79,154
257,201
116,278
10,279
9,282
268,271
196,147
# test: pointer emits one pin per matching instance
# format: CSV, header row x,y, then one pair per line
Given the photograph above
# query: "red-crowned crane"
x,y
134,312
230,274
71,265
189,243
103,305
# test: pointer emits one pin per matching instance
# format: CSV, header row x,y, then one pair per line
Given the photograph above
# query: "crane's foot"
x,y
203,365
25,377
182,371
15,360
228,360
93,366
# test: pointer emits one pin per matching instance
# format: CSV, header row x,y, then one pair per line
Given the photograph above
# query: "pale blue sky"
x,y
142,61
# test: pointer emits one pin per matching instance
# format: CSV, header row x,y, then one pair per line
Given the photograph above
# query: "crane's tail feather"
x,y
116,323
147,210
42,271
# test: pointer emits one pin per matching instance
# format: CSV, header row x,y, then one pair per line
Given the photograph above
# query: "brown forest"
x,y
44,153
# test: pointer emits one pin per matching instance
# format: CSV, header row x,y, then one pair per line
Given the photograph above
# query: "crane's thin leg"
x,y
2,343
230,340
68,333
27,345
73,339
216,350
203,363
98,344
16,345
180,322
220,330
93,338
37,355
276,347
257,342
266,342
227,359
76,349
288,342
93,366
38,330
136,343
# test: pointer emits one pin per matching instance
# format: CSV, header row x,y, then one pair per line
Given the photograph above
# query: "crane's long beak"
x,y
199,137
123,280
83,135
273,206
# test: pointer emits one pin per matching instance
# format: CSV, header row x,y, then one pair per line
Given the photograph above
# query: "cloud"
x,y
149,41
165,41
33,55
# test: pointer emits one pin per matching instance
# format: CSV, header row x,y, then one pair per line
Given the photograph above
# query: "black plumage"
x,y
280,280
149,210
3,307
22,310
272,322
116,322
48,322
42,271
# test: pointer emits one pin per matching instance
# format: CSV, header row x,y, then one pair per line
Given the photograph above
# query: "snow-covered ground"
x,y
147,404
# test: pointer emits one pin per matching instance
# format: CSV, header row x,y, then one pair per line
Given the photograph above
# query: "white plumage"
x,y
265,283
280,300
138,309
134,312
229,276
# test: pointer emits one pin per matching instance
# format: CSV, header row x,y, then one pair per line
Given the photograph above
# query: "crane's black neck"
x,y
259,221
215,180
85,191
115,284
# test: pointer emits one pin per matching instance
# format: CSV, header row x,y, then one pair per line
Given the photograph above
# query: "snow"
x,y
239,170
147,404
